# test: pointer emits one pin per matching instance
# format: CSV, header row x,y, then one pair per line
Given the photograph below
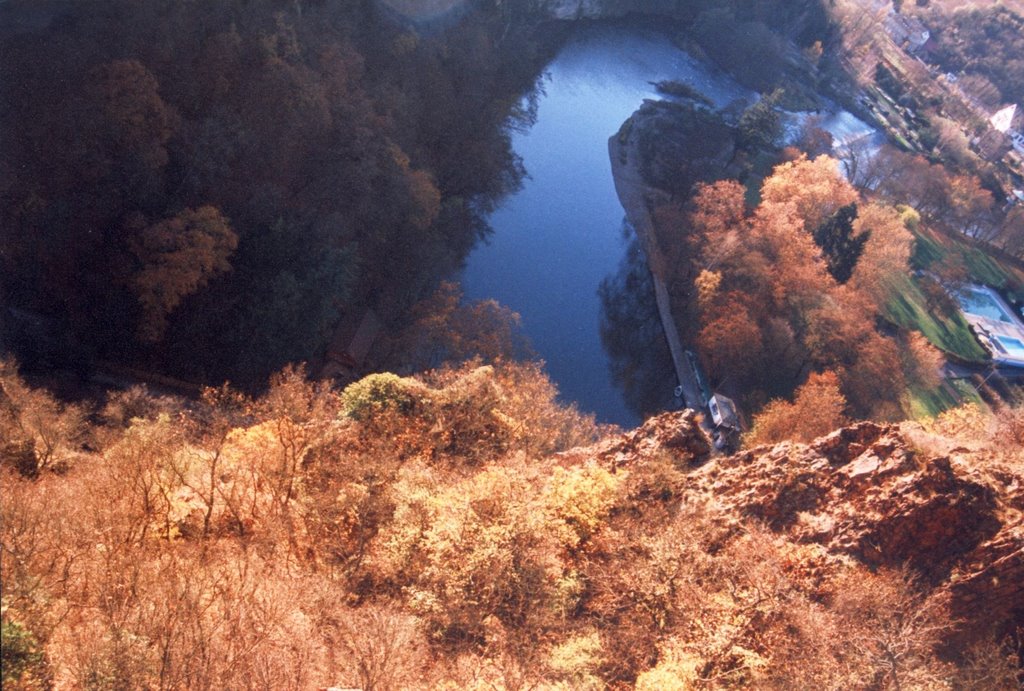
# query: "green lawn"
x,y
952,393
948,332
931,248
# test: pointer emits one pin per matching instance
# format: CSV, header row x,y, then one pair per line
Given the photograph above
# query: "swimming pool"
x,y
1014,346
983,305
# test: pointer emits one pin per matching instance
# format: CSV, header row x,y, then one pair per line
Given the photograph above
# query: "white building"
x,y
1002,121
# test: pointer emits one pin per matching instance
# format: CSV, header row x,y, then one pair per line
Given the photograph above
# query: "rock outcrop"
x,y
863,493
605,9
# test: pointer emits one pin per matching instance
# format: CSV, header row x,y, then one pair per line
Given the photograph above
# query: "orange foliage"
x,y
817,409
886,255
731,341
815,187
179,255
334,556
764,294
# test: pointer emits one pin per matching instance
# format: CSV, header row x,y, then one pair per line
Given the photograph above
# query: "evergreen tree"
x,y
840,246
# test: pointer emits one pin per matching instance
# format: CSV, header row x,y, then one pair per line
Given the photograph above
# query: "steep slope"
x,y
865,493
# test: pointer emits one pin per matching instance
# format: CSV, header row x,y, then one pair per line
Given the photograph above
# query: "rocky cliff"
x,y
870,495
606,9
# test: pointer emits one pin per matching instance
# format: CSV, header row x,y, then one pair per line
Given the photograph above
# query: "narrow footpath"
x,y
637,198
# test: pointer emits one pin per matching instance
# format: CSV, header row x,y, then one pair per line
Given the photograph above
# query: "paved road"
x,y
957,371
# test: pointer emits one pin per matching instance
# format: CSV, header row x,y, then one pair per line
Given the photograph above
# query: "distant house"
x,y
993,145
1018,141
907,32
1002,120
1010,121
1001,135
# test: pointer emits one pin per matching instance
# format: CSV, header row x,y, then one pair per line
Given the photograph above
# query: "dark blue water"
x,y
556,239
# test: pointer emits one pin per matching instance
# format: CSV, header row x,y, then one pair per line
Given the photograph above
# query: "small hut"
x,y
723,413
353,340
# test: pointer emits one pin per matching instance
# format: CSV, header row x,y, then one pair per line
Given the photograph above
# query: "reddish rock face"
x,y
863,493
677,434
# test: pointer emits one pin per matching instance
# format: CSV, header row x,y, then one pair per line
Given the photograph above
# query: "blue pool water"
x,y
983,305
1014,347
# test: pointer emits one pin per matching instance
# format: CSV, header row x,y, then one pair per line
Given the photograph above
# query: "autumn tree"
x,y
886,253
875,383
37,432
1012,232
467,553
956,202
717,216
815,187
894,627
922,362
814,139
385,644
817,408
731,342
443,329
177,257
131,123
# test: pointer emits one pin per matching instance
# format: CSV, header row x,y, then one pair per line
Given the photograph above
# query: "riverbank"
x,y
559,238
637,199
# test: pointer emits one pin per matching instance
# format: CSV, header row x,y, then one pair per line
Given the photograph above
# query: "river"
x,y
561,234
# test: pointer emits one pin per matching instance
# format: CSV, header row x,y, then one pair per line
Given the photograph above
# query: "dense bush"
x,y
278,542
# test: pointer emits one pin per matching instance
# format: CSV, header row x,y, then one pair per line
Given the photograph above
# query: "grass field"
x,y
932,248
948,332
952,393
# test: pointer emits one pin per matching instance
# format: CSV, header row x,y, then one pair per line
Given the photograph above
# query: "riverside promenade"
x,y
637,198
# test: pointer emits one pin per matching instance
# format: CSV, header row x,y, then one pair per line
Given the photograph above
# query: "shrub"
x,y
378,393
34,420
22,664
579,501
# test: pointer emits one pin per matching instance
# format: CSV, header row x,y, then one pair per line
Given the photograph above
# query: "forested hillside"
x,y
181,181
207,188
986,42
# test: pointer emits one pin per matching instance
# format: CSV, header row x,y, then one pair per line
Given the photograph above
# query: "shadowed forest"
x,y
207,189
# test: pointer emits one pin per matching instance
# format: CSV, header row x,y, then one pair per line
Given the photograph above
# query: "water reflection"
x,y
555,239
558,238
631,333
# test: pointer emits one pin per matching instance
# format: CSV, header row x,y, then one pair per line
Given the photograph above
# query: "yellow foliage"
x,y
580,499
968,422
576,661
677,670
886,257
472,550
707,283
